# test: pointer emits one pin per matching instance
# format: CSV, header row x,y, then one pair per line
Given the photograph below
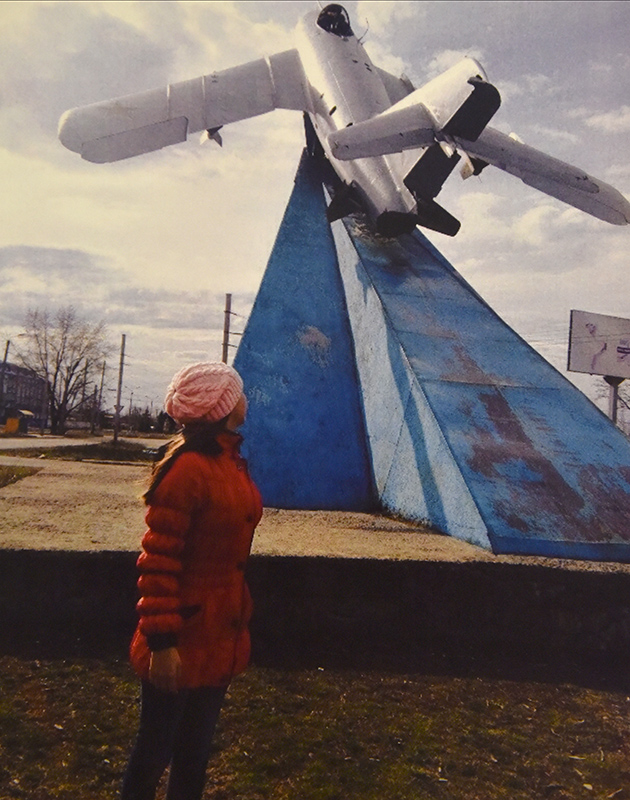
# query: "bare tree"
x,y
68,352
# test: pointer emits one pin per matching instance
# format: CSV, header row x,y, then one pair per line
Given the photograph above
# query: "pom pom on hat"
x,y
205,391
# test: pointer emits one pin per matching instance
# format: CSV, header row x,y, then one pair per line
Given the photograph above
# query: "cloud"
x,y
543,262
164,328
177,215
479,210
46,277
180,212
50,261
508,89
554,134
535,227
382,56
385,17
540,85
230,36
40,277
159,309
376,23
59,55
535,86
56,56
448,58
619,170
617,121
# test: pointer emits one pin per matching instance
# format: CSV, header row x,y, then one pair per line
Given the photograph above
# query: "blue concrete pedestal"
x,y
305,433
378,378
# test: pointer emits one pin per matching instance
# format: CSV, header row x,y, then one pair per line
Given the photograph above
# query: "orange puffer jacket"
x,y
193,593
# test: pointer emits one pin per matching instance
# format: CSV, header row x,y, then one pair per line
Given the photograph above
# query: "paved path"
x,y
34,440
70,505
94,506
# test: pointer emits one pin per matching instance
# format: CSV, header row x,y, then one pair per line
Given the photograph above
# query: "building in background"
x,y
22,398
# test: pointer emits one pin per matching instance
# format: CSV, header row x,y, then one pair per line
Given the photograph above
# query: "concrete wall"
x,y
348,613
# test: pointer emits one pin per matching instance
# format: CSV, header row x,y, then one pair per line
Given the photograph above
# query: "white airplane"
x,y
391,146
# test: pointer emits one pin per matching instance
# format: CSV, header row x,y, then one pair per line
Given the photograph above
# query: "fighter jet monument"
x,y
377,378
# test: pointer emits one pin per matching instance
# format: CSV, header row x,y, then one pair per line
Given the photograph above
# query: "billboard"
x,y
599,344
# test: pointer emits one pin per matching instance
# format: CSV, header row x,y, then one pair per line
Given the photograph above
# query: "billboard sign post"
x,y
600,345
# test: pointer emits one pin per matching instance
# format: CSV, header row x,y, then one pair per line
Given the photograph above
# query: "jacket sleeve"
x,y
178,497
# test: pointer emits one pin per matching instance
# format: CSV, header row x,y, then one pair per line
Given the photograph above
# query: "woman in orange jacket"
x,y
194,606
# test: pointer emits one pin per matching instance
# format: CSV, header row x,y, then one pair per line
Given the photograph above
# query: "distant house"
x,y
22,395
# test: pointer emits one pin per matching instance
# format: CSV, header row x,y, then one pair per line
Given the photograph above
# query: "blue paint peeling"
x,y
304,436
377,376
546,471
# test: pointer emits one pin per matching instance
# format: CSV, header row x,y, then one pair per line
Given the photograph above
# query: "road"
x,y
33,440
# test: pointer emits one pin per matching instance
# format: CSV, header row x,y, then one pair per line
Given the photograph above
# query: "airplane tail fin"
x,y
475,112
433,216
394,223
429,215
345,201
425,181
427,176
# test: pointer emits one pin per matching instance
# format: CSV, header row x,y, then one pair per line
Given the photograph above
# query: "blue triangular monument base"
x,y
378,378
305,433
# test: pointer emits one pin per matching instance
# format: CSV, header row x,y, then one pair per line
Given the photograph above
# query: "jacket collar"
x,y
229,440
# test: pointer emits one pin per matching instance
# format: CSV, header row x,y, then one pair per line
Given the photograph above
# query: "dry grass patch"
x,y
124,451
66,728
12,474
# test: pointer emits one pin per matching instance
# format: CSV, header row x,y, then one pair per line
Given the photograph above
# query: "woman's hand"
x,y
165,669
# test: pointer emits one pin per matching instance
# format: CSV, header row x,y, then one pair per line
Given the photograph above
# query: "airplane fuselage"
x,y
346,88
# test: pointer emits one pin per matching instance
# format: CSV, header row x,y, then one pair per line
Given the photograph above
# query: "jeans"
x,y
176,728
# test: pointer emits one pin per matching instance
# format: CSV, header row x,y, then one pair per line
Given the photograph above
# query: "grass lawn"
x,y
98,451
66,727
12,474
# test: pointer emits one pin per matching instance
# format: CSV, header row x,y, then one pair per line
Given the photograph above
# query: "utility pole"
x,y
118,407
226,327
94,410
100,391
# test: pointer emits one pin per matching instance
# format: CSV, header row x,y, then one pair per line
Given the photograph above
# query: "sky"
x,y
151,245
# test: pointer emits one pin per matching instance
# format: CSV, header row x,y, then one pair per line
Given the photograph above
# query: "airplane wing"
x,y
550,175
140,123
397,88
389,132
459,102
412,127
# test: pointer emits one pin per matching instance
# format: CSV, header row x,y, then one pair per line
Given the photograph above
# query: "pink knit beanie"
x,y
204,391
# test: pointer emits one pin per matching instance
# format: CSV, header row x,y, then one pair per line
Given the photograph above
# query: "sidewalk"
x,y
83,506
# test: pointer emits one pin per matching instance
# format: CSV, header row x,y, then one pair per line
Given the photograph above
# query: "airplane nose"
x,y
69,134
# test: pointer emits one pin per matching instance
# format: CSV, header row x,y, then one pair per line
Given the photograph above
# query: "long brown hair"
x,y
199,437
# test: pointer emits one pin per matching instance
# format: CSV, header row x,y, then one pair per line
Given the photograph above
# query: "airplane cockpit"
x,y
334,19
